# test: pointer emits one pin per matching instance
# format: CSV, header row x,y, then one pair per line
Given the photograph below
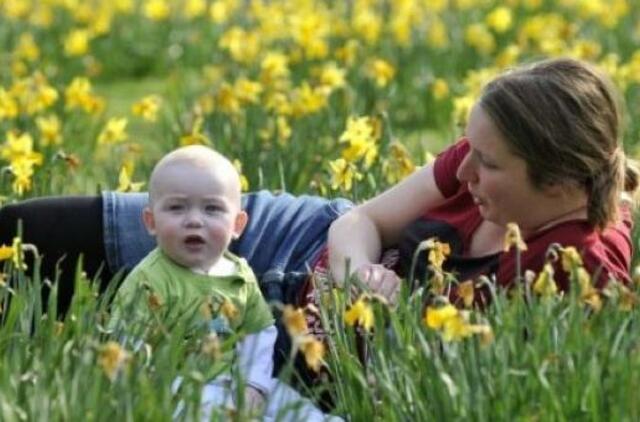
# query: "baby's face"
x,y
194,215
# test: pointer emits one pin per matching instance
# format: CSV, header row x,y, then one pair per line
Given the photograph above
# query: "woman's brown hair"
x,y
563,117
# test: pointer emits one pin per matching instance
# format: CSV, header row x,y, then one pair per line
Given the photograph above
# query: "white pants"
x,y
283,403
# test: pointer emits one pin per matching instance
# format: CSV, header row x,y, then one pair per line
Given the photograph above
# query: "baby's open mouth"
x,y
194,240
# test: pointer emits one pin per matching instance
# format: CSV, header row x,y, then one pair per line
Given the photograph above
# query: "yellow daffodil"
x,y
244,182
76,43
360,140
18,253
508,57
294,321
544,284
461,109
227,100
308,100
513,238
348,52
627,299
437,34
343,174
195,8
438,252
466,292
382,72
478,36
27,48
6,252
50,130
440,89
197,136
570,258
18,146
243,46
332,76
114,131
454,324
367,23
112,358
247,91
436,317
593,299
22,170
313,351
219,11
360,313
125,184
399,164
78,95
456,328
156,10
274,66
147,108
8,105
283,130
437,282
500,19
589,295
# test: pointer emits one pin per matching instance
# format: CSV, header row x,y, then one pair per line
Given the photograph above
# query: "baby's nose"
x,y
194,219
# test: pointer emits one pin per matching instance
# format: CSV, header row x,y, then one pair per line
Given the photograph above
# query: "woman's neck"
x,y
563,211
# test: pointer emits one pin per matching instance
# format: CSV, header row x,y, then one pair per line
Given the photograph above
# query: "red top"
x,y
605,253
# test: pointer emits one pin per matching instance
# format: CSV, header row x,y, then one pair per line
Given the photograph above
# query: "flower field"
x,y
336,98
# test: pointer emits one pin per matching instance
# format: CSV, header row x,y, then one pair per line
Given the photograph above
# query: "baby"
x,y
194,212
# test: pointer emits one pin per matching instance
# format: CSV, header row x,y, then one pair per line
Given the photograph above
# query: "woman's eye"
x,y
485,163
489,165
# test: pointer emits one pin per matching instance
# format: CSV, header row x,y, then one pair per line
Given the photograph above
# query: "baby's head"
x,y
194,206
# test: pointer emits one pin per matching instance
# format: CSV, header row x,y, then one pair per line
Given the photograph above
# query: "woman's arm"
x,y
360,235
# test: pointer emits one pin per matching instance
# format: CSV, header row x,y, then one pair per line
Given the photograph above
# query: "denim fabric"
x,y
126,240
285,233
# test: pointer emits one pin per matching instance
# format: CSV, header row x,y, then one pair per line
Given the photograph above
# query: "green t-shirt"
x,y
158,287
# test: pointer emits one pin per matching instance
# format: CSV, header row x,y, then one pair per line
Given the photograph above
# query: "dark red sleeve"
x,y
446,166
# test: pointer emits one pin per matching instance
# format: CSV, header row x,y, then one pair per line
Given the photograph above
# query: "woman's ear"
x,y
242,218
149,220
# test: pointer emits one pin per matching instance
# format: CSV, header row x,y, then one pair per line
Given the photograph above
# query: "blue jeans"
x,y
285,233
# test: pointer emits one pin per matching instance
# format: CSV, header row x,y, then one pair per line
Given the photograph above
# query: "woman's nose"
x,y
467,171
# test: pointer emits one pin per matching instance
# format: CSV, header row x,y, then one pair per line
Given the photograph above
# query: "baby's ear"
x,y
149,220
242,218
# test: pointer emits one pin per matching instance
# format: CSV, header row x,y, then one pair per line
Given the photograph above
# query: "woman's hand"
x,y
380,280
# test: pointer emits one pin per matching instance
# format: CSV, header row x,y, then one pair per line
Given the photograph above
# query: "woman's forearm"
x,y
353,241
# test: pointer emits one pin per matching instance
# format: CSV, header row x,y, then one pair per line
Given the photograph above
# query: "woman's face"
x,y
498,180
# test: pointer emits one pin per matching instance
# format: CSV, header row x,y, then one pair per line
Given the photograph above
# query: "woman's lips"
x,y
476,199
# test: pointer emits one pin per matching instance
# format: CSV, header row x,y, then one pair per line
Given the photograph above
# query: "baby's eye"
x,y
213,208
175,207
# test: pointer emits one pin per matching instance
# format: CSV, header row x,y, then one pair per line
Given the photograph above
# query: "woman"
x,y
541,149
